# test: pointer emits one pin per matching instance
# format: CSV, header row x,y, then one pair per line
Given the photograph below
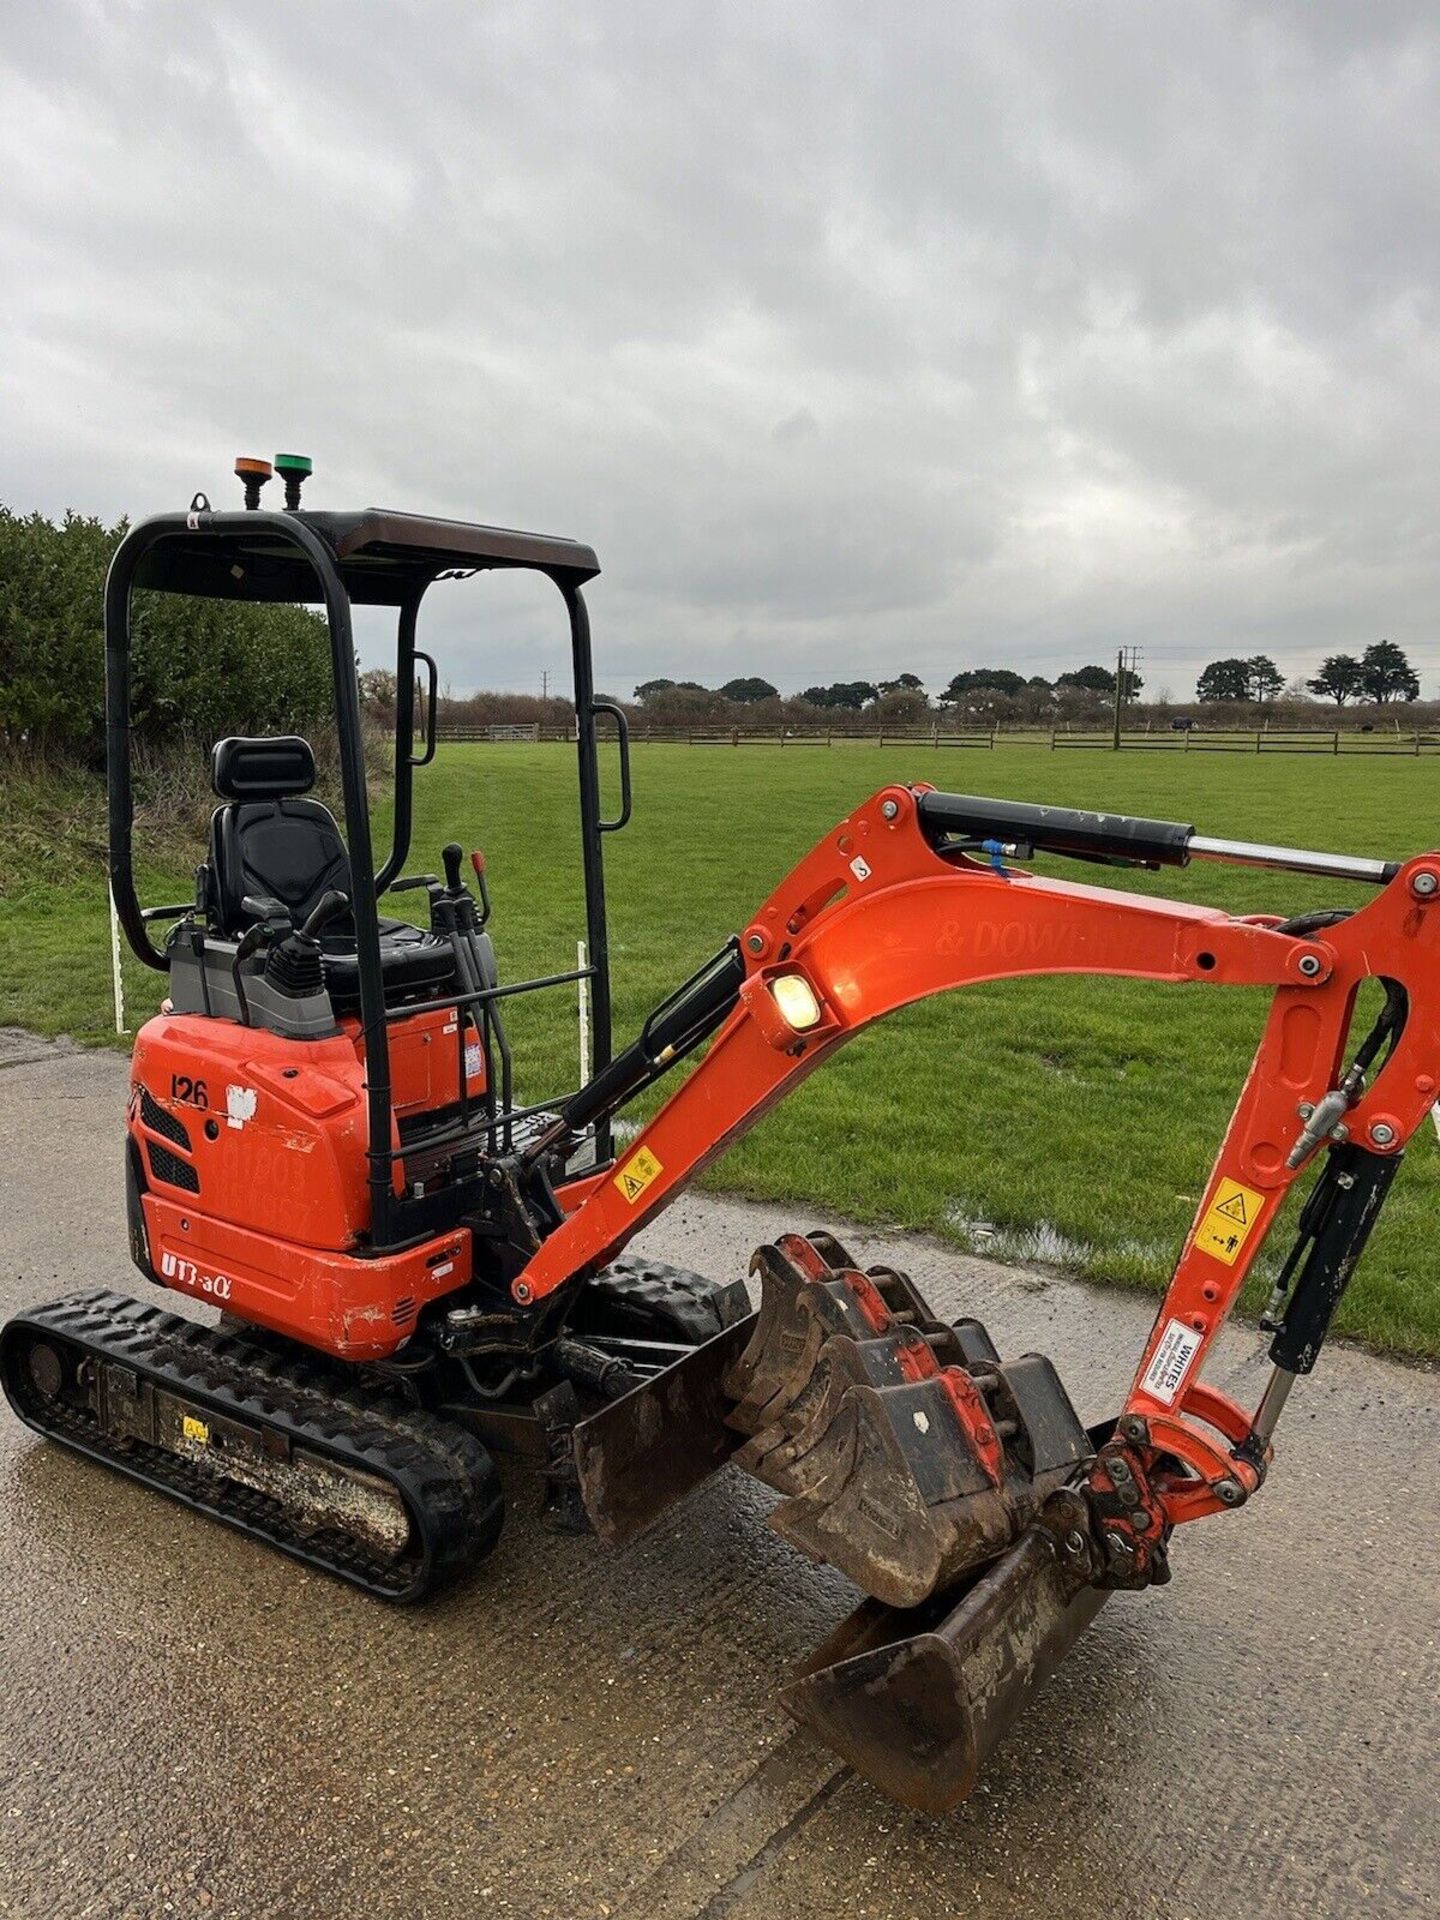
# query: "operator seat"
x,y
269,841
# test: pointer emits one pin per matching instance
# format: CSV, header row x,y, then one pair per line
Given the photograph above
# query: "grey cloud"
x,y
844,333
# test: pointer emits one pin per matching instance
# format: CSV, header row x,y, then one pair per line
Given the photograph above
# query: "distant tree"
x,y
685,703
903,683
850,695
377,692
1266,679
647,689
1341,678
1387,673
1224,680
902,704
854,694
982,679
1089,680
747,692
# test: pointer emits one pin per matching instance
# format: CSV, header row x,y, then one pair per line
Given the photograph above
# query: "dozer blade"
x,y
642,1453
917,1701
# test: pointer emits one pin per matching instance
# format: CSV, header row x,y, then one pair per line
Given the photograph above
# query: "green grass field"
x,y
1067,1120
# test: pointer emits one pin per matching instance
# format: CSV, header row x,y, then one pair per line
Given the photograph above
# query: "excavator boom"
x,y
960,1493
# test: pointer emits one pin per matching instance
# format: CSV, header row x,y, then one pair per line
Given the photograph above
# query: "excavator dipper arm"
x,y
890,908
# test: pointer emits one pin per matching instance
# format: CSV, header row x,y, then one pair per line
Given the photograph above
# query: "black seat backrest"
x,y
268,840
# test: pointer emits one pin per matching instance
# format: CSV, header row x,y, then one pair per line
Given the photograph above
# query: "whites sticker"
x,y
858,867
240,1105
1170,1362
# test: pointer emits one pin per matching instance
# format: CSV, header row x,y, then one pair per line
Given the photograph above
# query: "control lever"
x,y
477,862
294,966
329,907
260,906
270,918
451,854
454,917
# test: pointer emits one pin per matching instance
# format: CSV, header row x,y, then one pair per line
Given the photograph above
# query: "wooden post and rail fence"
x,y
1412,743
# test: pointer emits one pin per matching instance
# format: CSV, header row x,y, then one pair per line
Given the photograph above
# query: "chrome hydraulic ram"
x,y
1125,838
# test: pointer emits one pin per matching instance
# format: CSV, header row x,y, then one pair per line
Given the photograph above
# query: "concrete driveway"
x,y
191,1725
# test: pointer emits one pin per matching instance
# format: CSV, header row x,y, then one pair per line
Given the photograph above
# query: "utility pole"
x,y
1119,693
1127,659
544,683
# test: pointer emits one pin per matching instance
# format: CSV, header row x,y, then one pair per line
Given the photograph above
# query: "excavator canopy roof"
x,y
381,556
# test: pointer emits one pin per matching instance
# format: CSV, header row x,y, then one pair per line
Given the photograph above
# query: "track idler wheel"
x,y
907,1453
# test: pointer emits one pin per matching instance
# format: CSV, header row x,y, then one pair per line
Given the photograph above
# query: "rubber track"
x,y
446,1478
656,1298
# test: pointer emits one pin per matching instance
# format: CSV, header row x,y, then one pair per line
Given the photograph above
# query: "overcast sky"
x,y
856,339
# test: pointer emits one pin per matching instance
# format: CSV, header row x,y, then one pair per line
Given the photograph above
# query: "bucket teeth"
x,y
787,1455
906,1453
799,1311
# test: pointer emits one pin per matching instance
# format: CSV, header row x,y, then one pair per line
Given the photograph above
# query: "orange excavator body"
x,y
416,1271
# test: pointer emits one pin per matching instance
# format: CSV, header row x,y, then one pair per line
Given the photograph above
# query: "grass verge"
x,y
1067,1120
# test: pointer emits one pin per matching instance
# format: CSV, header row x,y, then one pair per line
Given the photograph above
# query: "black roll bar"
x,y
592,828
363,908
393,1220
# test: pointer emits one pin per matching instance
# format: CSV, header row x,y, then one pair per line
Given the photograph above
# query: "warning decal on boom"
x,y
637,1173
1228,1220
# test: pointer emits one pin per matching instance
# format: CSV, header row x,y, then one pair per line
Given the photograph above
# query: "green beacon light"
x,y
295,469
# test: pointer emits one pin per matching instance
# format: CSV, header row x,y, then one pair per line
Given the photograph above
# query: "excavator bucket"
x,y
918,1701
912,1459
937,1478
909,1455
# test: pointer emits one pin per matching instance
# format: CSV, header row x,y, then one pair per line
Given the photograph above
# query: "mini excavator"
x,y
416,1273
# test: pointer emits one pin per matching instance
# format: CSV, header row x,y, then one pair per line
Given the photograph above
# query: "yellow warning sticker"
x,y
194,1429
1227,1221
637,1173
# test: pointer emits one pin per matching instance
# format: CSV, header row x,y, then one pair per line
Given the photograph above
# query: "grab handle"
x,y
433,676
623,727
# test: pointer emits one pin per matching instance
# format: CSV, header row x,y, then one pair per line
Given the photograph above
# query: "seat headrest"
x,y
276,769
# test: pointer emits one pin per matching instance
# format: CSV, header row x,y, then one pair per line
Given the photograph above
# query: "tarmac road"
x,y
192,1725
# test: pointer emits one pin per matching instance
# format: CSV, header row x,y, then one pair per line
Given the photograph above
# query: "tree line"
x,y
198,667
975,690
1382,673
